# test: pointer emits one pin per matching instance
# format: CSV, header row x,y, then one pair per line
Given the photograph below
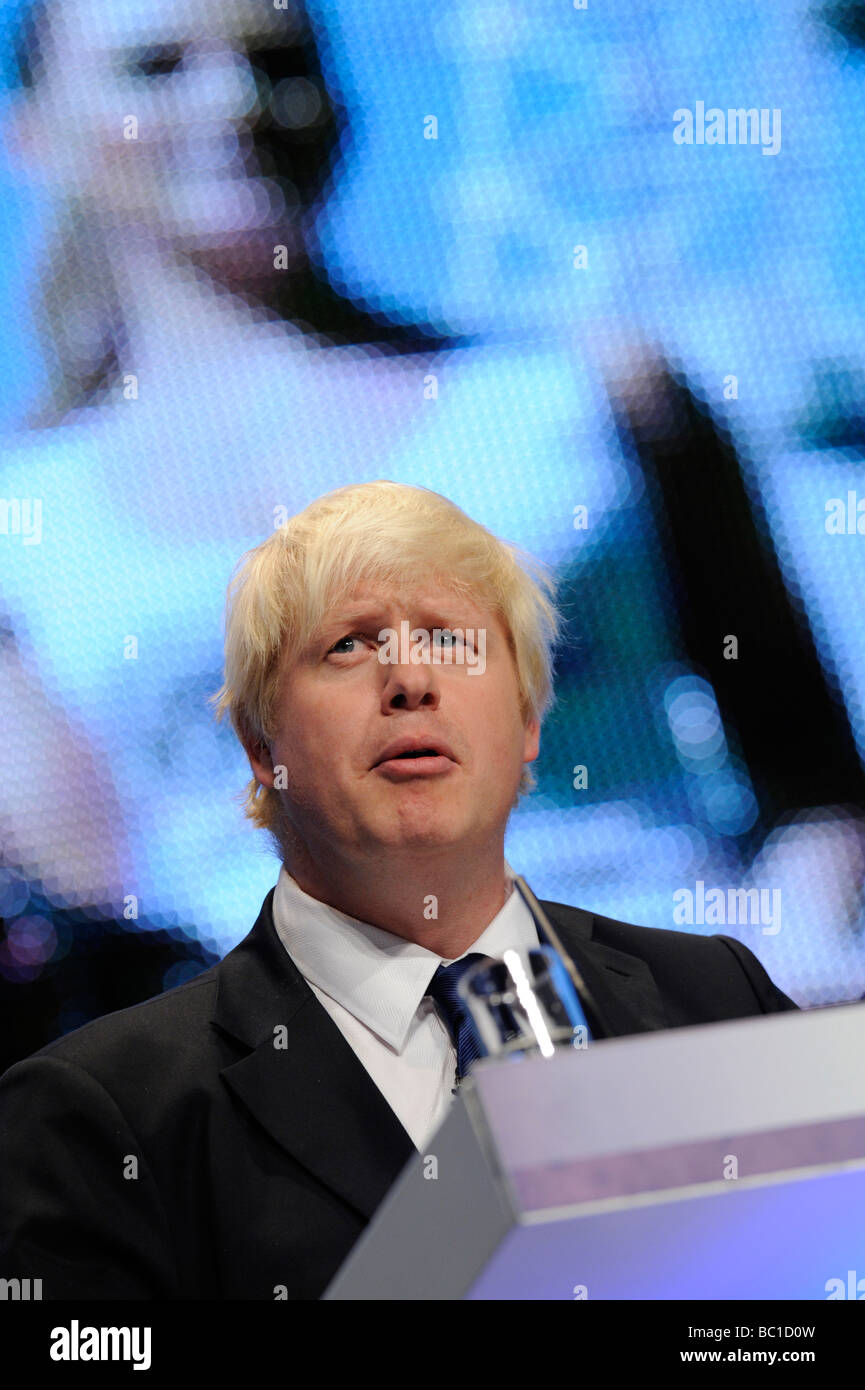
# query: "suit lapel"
x,y
314,1096
301,1080
622,985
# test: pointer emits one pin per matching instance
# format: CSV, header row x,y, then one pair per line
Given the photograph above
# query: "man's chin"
x,y
423,829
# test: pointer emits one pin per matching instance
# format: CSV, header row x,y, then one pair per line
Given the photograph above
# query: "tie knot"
x,y
443,986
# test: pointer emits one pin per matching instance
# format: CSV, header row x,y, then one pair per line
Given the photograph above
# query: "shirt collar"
x,y
378,977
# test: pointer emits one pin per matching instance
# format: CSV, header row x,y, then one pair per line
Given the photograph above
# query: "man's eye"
x,y
155,62
352,637
452,640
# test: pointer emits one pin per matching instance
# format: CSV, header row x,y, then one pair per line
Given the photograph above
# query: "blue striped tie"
x,y
443,988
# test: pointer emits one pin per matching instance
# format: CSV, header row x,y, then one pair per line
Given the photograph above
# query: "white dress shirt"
x,y
372,984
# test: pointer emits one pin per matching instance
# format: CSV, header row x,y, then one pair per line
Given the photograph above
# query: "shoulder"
x,y
698,976
660,943
651,944
176,1042
136,1049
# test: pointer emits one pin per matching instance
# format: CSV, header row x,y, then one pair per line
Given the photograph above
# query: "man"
x,y
231,1138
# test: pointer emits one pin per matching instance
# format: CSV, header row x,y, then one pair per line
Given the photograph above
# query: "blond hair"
x,y
393,533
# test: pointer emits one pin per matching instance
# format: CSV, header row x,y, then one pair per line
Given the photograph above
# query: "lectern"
x,y
725,1161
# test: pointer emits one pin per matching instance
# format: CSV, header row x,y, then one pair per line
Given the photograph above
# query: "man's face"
x,y
340,709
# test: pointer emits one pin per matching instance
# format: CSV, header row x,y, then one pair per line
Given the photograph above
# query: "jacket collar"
x,y
622,986
305,1085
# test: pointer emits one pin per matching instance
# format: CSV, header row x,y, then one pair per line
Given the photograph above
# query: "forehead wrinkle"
x,y
408,599
354,613
381,615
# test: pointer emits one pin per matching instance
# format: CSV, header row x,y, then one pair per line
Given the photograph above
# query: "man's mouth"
x,y
407,748
421,761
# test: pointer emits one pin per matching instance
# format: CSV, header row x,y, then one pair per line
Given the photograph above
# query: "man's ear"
x,y
532,744
260,760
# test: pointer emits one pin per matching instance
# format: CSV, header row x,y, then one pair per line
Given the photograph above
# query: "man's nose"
x,y
409,685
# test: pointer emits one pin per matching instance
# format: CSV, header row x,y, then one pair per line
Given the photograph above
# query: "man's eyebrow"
x,y
342,617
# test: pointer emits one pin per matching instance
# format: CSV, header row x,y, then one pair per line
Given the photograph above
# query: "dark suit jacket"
x,y
171,1150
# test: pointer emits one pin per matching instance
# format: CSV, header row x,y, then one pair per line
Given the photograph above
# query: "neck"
x,y
441,901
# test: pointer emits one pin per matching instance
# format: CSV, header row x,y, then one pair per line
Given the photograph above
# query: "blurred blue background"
x,y
253,254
